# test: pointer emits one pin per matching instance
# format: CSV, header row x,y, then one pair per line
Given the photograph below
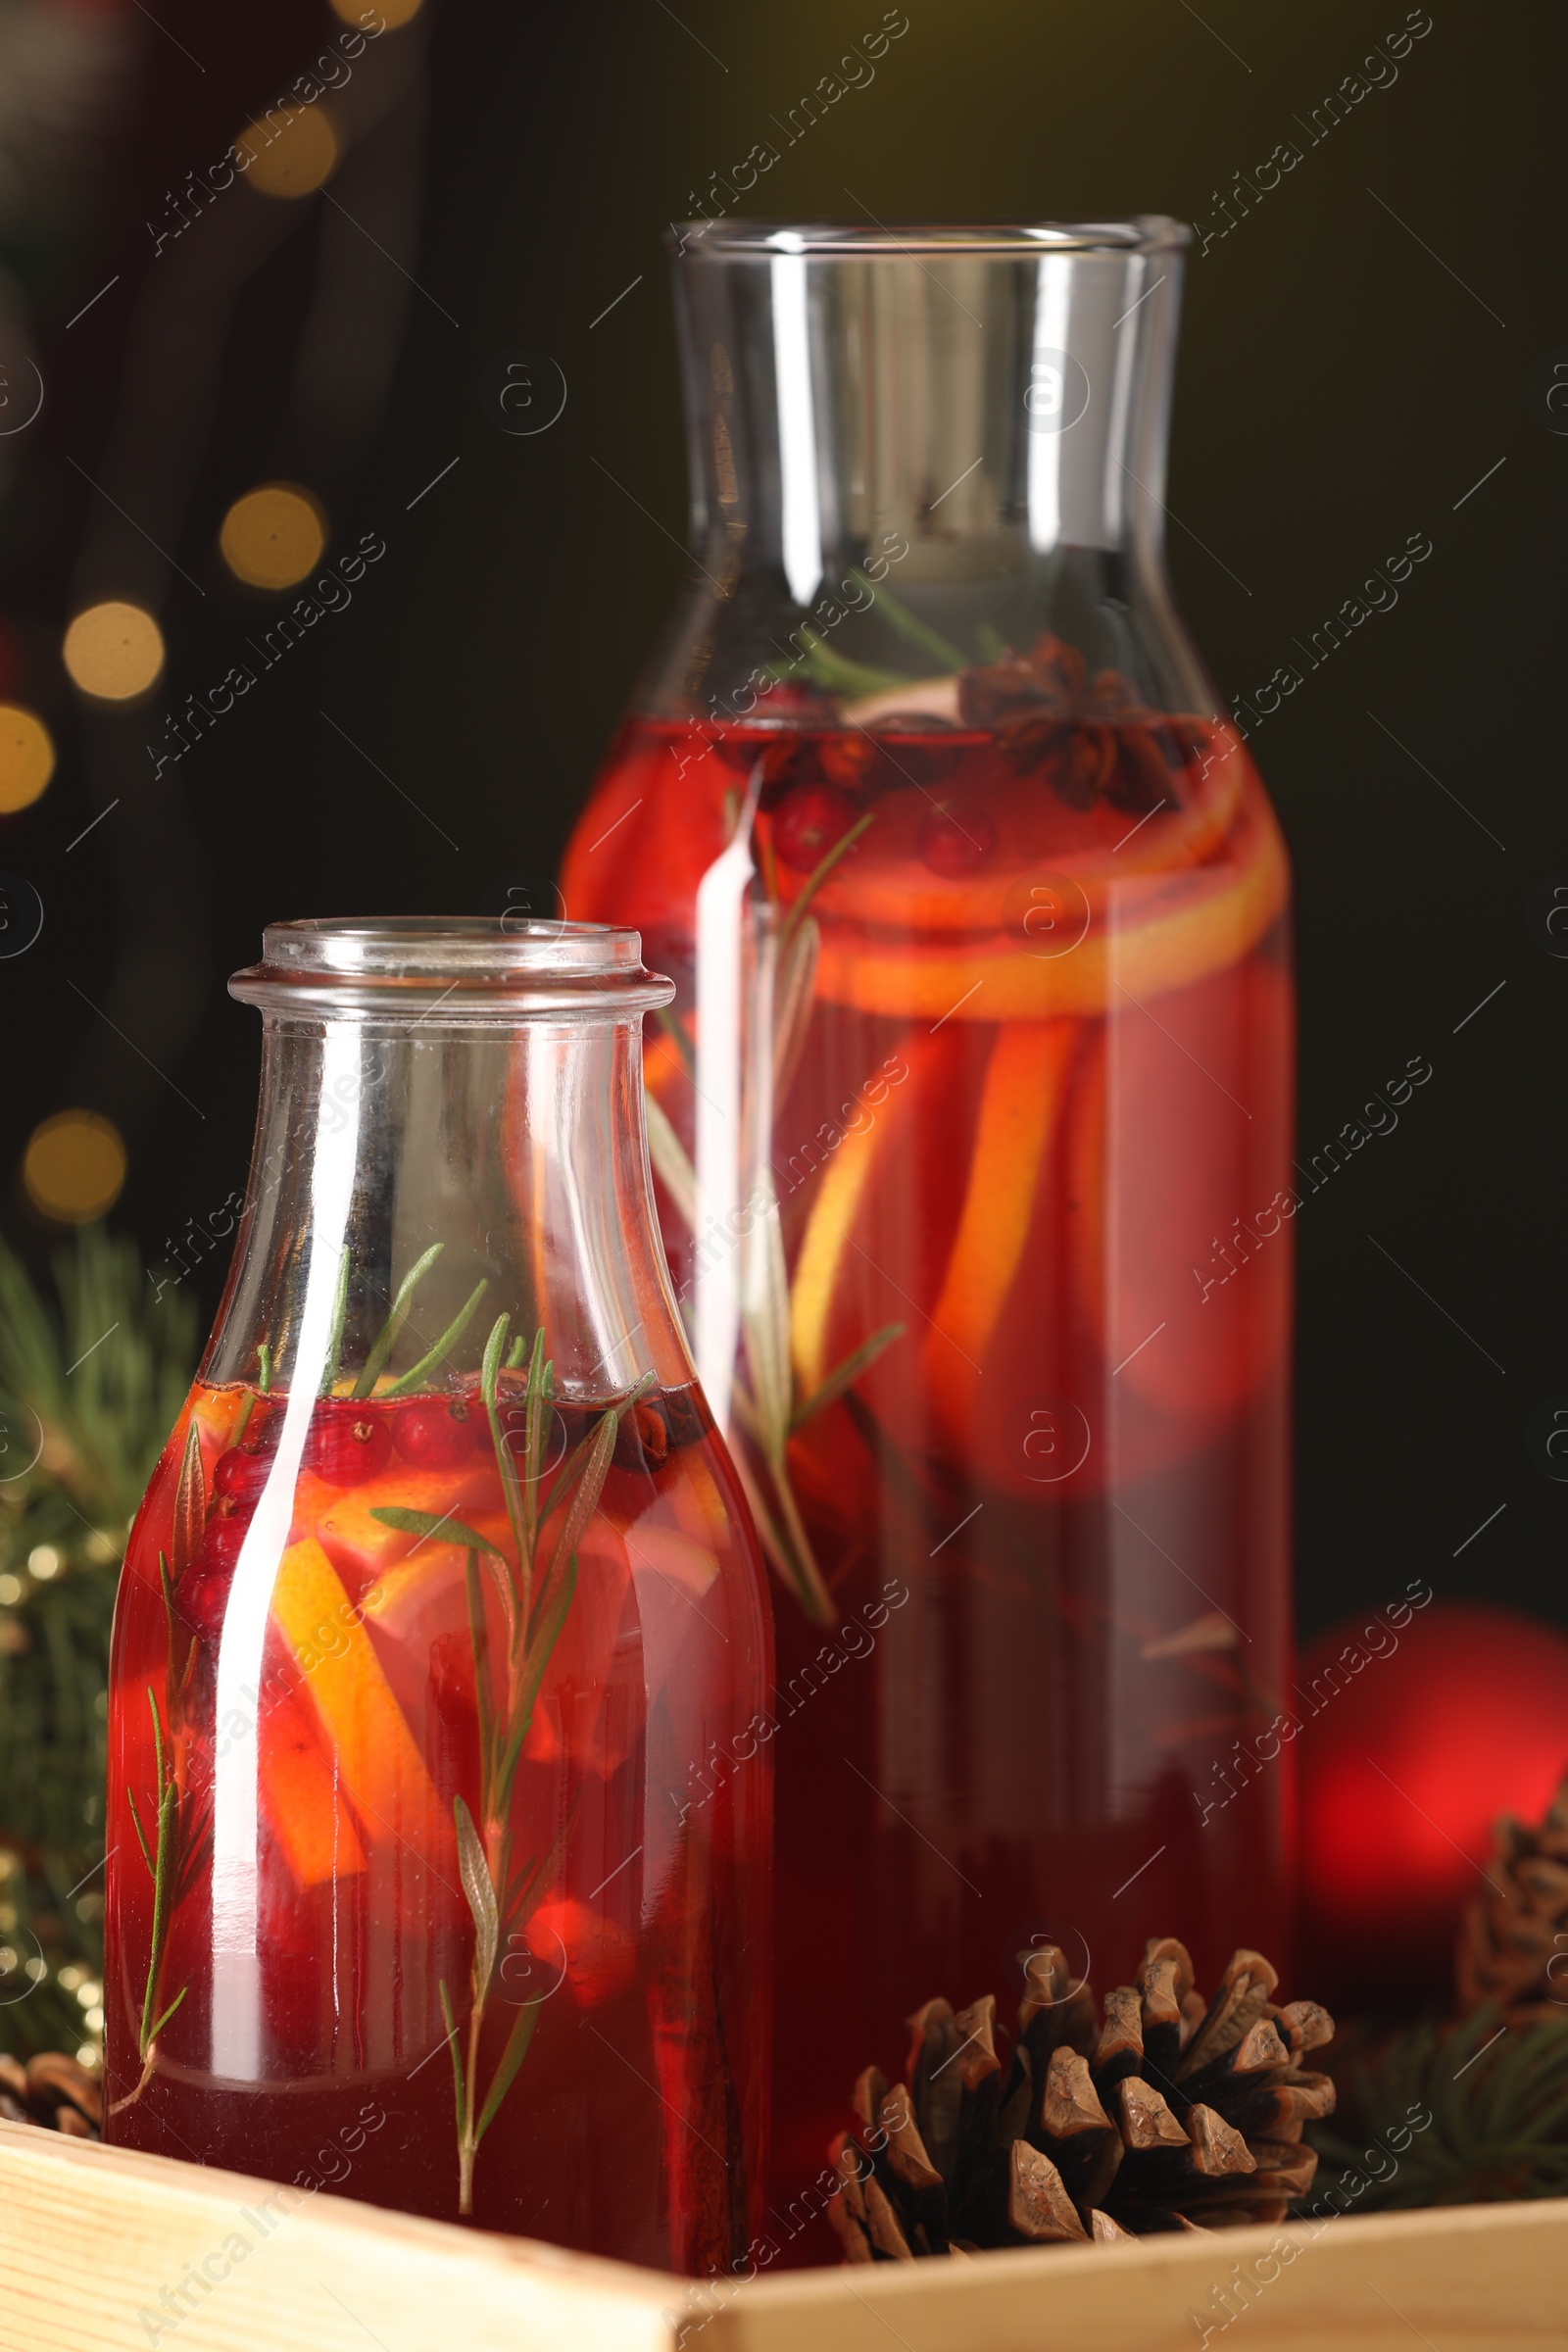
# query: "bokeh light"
x,y
74,1166
292,161
113,651
273,536
392,12
26,758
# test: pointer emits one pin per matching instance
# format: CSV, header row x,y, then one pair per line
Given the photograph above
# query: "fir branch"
x,y
1498,2107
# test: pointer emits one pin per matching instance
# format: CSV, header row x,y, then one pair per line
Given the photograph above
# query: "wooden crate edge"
x,y
1481,2275
59,2193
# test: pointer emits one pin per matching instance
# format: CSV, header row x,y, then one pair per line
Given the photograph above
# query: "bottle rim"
x,y
1014,240
465,966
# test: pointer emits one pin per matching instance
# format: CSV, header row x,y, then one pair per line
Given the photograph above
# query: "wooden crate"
x,y
91,2239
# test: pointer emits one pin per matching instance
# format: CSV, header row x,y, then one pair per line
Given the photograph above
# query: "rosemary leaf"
x,y
512,2058
584,1503
800,1574
516,1352
845,1375
537,1658
765,1323
391,1329
426,1525
675,1029
169,2013
264,1360
141,1837
340,1311
169,1610
819,874
795,993
190,1502
670,1162
505,1460
535,1395
834,671
443,1347
910,625
474,1872
480,1639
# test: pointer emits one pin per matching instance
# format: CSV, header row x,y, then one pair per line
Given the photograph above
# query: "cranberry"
x,y
347,1442
202,1594
807,823
434,1433
242,1472
954,845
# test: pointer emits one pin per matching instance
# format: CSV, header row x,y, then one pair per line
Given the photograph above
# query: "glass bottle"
x,y
439,1597
979,919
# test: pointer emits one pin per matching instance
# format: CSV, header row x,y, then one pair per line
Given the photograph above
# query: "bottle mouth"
x,y
832,240
464,967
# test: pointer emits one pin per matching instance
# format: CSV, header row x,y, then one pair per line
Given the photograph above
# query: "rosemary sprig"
x,y
387,1337
910,625
836,671
173,1858
767,1404
340,1310
422,1371
536,1588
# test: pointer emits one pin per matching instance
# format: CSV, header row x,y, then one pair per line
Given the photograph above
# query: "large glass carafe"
x,y
440,1594
979,918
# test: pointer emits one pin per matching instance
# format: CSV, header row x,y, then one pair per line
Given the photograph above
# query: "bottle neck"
x,y
962,414
514,1150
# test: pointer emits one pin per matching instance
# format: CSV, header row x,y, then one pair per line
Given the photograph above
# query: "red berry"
x,y
954,845
242,1472
434,1432
347,1442
807,823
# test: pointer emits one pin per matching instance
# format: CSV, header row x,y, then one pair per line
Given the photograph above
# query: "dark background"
x,y
1352,365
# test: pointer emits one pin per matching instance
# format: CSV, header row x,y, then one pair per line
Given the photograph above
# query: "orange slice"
x,y
1212,918
1020,1111
312,1829
360,1546
840,1190
378,1767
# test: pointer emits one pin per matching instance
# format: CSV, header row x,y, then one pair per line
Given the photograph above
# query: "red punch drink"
x,y
412,1894
979,919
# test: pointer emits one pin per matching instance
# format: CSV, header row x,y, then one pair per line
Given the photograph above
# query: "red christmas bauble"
x,y
1414,1738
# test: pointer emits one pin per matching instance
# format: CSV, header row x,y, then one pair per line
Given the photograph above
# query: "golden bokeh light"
x,y
273,536
113,651
392,13
26,758
74,1166
290,155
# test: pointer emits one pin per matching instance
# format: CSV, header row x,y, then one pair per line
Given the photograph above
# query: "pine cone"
x,y
1169,2114
53,2090
1513,1946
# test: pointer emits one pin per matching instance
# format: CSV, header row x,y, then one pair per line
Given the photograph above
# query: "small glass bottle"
x,y
439,1853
